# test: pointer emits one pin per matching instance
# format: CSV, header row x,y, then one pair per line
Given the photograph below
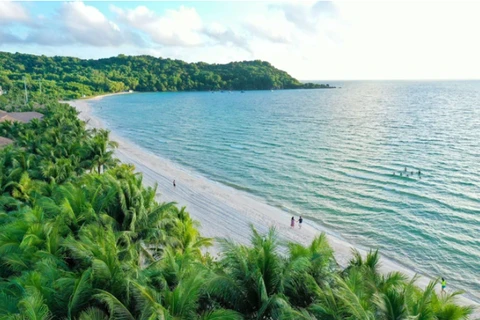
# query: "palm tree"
x,y
176,290
101,150
33,307
444,307
250,280
97,247
184,235
93,314
391,305
321,258
25,189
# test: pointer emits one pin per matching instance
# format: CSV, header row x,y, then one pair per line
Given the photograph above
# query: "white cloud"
x,y
12,12
182,27
86,24
177,27
306,15
6,37
222,35
275,28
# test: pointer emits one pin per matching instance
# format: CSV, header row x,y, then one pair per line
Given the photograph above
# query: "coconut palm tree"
x,y
444,307
250,279
101,150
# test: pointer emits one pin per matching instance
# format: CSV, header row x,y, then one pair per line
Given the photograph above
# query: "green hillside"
x,y
67,77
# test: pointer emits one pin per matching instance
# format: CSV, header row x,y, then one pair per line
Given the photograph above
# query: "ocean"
x,y
346,158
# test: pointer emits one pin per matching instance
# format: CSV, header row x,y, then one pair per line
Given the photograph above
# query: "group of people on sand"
x,y
405,173
292,222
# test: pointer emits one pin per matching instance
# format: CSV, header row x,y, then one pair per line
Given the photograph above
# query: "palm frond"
x,y
116,308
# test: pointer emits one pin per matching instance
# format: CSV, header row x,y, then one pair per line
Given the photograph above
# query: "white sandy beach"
x,y
225,212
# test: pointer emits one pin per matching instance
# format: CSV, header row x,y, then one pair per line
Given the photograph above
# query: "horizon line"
x,y
392,79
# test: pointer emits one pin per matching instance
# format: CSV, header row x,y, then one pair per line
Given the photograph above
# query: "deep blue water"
x,y
330,156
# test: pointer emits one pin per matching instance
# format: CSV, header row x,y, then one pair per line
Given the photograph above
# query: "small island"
x,y
73,78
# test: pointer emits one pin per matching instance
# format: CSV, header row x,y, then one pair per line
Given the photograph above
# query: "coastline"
x,y
225,212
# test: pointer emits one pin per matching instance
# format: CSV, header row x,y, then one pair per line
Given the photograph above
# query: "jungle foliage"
x,y
70,78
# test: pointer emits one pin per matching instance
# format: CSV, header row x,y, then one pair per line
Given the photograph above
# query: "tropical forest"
x,y
70,78
82,238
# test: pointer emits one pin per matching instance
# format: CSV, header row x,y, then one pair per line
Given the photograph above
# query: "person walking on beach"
x,y
174,185
292,223
300,220
444,284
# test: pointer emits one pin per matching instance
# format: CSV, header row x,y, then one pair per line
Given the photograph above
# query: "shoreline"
x,y
225,212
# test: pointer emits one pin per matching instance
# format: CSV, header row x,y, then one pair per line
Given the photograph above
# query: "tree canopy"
x,y
68,77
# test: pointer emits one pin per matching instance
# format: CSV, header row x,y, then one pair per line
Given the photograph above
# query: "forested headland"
x,y
82,238
71,78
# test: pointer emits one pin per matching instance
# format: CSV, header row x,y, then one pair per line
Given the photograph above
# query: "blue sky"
x,y
308,39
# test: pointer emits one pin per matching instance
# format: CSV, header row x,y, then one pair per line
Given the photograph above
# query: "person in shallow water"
x,y
174,185
292,222
444,284
300,220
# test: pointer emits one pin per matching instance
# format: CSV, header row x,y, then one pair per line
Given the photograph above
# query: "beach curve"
x,y
225,212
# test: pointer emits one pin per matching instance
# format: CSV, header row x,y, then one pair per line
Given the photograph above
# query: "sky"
x,y
339,40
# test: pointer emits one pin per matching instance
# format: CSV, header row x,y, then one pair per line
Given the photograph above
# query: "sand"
x,y
225,212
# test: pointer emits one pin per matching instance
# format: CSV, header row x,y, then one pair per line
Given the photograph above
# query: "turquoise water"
x,y
330,156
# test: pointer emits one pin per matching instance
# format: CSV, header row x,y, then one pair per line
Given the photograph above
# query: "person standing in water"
x,y
174,185
292,223
444,284
300,220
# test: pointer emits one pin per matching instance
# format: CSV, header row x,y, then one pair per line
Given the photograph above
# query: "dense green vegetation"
x,y
67,77
82,238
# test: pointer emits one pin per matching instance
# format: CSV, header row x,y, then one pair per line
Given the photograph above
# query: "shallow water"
x,y
330,156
